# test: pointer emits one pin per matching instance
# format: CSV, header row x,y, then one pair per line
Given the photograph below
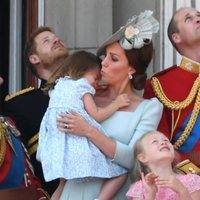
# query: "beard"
x,y
54,59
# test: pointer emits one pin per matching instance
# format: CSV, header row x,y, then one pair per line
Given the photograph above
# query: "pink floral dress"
x,y
190,181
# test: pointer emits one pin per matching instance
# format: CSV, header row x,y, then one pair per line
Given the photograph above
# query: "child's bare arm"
x,y
57,193
150,187
111,187
100,114
195,195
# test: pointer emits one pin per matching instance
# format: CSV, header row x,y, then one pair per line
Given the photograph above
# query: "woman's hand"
x,y
73,123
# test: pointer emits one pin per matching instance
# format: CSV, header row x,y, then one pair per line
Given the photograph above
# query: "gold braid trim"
x,y
180,105
3,132
190,123
33,144
8,97
175,105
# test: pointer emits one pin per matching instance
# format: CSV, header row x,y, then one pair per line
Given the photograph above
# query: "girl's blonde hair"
x,y
138,166
75,66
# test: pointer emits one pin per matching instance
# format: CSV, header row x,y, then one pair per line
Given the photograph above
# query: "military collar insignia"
x,y
190,65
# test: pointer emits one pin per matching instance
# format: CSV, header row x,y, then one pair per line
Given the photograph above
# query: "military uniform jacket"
x,y
16,171
176,84
26,108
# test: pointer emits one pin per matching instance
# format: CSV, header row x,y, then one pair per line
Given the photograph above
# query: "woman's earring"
x,y
130,75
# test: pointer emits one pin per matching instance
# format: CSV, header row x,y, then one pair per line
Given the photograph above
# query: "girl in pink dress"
x,y
153,175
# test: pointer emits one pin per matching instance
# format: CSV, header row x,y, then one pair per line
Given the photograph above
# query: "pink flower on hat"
x,y
130,32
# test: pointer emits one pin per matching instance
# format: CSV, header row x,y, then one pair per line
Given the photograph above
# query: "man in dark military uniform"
x,y
17,177
178,88
44,53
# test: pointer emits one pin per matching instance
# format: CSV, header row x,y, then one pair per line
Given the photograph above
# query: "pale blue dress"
x,y
125,128
65,155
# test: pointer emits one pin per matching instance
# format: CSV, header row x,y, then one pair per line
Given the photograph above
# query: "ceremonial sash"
x,y
14,179
192,139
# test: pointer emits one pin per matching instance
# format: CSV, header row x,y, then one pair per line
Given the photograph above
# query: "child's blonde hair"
x,y
138,166
75,66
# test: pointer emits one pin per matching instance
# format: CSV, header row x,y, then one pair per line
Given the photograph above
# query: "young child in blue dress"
x,y
67,156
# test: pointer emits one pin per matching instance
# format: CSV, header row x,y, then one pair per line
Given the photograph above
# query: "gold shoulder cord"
x,y
178,106
3,130
5,138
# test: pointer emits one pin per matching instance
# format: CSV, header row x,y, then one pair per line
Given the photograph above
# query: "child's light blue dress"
x,y
65,155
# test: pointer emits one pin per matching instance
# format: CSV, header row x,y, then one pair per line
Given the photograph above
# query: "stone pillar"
x,y
82,24
15,45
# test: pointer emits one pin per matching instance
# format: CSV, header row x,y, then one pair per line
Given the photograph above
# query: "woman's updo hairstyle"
x,y
139,59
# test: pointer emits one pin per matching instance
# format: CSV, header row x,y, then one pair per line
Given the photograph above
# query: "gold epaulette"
x,y
10,96
186,167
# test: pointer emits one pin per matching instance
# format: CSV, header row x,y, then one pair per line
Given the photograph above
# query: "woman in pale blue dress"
x,y
127,56
68,156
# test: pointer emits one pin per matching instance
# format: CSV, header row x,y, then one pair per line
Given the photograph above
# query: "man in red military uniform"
x,y
178,88
17,179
